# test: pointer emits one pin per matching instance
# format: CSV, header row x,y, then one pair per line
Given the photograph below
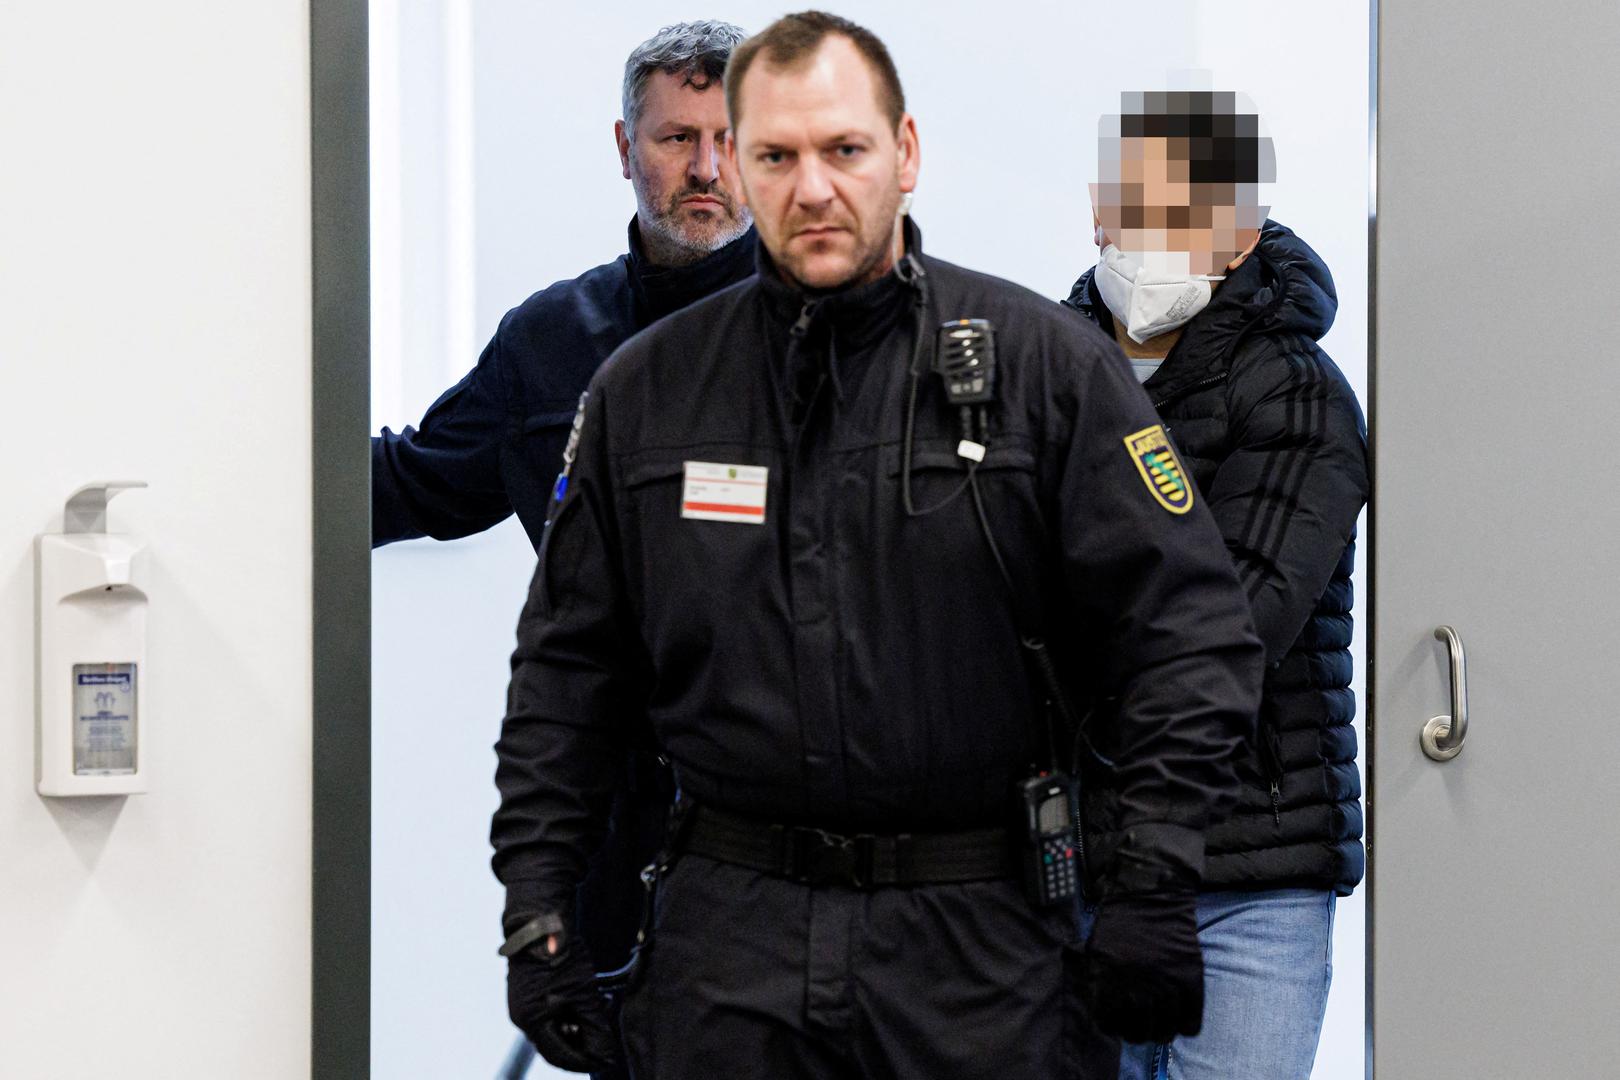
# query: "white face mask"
x,y
1147,294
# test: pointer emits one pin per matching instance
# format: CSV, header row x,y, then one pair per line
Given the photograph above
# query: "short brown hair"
x,y
793,39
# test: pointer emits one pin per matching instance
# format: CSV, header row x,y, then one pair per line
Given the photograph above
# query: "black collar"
x,y
660,290
858,314
1204,350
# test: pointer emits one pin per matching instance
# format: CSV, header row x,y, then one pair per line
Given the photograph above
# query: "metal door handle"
x,y
1443,736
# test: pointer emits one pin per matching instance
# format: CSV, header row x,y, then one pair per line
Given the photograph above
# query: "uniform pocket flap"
x,y
547,419
648,471
938,455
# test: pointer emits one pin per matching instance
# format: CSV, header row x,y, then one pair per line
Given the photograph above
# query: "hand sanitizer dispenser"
x,y
90,604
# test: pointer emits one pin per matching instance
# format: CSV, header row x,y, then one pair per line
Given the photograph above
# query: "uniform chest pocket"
x,y
947,543
938,455
679,556
652,498
938,472
539,442
730,475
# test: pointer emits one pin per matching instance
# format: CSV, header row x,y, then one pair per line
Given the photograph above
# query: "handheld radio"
x,y
1050,806
966,360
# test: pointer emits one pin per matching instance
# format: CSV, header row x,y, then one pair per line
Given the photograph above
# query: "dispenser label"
x,y
103,719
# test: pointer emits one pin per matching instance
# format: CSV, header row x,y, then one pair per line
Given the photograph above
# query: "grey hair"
x,y
696,50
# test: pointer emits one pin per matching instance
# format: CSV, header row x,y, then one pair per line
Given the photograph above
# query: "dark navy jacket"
x,y
492,444
1277,446
842,664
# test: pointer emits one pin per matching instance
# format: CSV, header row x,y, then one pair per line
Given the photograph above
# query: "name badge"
x,y
714,492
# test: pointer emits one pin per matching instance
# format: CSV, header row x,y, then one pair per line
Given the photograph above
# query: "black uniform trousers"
x,y
749,975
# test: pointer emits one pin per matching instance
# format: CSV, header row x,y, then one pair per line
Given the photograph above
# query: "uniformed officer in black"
x,y
774,544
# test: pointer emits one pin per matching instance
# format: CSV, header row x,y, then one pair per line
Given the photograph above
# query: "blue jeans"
x,y
1268,960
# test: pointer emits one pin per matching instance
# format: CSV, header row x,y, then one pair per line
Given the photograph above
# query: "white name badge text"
x,y
714,492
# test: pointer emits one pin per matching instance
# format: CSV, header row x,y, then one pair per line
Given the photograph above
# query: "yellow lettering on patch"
x,y
1160,468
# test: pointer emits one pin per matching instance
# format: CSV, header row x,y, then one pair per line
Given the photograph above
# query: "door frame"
x,y
340,999
1369,881
340,384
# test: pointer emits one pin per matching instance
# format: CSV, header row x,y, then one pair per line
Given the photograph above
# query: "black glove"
x,y
553,998
1142,974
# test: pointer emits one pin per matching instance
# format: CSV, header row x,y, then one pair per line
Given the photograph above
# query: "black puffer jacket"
x,y
1277,447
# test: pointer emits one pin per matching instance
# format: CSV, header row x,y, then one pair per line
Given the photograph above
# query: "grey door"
x,y
1495,898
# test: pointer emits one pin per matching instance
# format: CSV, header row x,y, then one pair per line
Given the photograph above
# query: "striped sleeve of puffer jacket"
x,y
1278,449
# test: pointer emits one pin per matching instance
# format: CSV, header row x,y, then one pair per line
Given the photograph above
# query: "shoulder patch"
x,y
1160,468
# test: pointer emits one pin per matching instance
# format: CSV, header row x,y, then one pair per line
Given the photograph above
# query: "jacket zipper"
x,y
796,335
1271,753
1185,390
802,326
1231,350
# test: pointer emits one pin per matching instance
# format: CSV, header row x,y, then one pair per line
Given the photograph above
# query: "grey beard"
x,y
665,246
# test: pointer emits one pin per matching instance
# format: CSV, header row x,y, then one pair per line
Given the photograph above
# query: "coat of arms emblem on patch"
x,y
1160,468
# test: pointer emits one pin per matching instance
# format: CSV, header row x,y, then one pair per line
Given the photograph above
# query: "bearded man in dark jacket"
x,y
1219,310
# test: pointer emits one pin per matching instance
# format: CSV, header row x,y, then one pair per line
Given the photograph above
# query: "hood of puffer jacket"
x,y
1284,287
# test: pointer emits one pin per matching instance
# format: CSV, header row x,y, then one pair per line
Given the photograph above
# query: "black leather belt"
x,y
865,861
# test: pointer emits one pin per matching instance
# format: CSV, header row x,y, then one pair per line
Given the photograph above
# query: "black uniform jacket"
x,y
492,444
842,664
1277,446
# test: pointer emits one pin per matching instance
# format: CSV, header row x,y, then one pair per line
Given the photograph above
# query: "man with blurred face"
x,y
493,444
1219,309
780,534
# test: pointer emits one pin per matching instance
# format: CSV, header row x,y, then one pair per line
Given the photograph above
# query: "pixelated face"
x,y
1179,181
672,159
821,167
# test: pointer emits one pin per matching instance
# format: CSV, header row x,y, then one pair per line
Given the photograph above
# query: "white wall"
x,y
155,324
1007,106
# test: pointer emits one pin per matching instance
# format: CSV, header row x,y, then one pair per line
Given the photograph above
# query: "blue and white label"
x,y
104,719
